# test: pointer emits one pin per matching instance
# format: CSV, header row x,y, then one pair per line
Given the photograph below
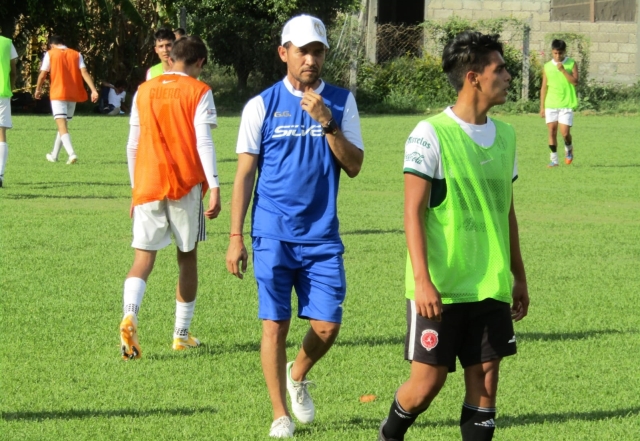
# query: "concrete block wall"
x,y
614,46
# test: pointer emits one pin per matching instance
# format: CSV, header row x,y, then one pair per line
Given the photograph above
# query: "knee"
x,y
326,331
275,330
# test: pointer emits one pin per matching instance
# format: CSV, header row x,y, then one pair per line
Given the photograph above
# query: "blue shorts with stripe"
x,y
315,271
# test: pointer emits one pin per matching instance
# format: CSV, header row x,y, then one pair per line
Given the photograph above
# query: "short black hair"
x,y
189,50
559,45
120,83
468,51
164,34
180,31
56,39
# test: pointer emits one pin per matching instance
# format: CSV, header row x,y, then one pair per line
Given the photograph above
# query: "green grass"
x,y
65,250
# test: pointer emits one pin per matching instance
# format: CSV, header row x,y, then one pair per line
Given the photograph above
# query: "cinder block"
x,y
492,5
512,6
521,15
456,5
633,38
599,37
626,68
471,4
607,47
619,58
531,6
618,38
436,4
543,16
632,58
590,28
569,26
482,14
628,48
552,26
623,28
442,13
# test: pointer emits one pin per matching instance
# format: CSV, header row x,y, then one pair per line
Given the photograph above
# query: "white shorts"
x,y
154,222
562,116
5,113
63,109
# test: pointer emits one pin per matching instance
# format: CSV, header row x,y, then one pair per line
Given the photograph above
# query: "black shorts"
x,y
474,332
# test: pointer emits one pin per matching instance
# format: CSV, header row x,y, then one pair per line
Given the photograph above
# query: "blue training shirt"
x,y
296,193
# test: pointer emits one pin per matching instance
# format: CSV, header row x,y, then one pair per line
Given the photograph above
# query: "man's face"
x,y
304,63
558,55
163,49
494,81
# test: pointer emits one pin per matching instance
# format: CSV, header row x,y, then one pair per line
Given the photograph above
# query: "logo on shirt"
x,y
211,111
429,339
419,141
484,162
168,81
281,114
414,157
296,130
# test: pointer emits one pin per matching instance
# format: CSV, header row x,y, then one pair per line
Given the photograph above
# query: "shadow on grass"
x,y
47,185
87,413
568,336
371,340
55,196
357,232
615,165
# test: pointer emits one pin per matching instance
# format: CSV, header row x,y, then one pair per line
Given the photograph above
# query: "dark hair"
x,y
468,51
180,31
120,83
189,50
56,39
559,45
164,34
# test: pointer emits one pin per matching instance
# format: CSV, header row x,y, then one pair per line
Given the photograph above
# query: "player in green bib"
x,y
464,266
8,73
164,39
558,99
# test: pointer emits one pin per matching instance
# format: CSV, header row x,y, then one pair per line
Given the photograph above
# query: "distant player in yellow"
x,y
8,59
558,99
164,39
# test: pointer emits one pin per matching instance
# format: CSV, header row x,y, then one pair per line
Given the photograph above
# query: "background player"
x,y
558,99
164,39
171,162
299,134
67,70
462,238
8,73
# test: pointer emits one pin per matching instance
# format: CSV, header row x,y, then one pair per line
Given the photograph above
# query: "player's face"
x,y
494,81
304,63
558,55
163,49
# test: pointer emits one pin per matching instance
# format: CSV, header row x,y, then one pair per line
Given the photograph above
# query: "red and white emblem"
x,y
429,339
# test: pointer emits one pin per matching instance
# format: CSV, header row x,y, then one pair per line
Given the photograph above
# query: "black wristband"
x,y
330,128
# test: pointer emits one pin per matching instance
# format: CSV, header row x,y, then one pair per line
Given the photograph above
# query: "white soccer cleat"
x,y
50,158
301,402
72,159
283,427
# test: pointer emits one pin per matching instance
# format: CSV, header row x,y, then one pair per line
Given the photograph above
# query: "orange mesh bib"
x,y
167,162
66,78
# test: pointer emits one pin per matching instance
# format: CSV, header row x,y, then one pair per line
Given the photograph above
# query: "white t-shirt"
x,y
46,62
250,134
116,99
422,149
14,53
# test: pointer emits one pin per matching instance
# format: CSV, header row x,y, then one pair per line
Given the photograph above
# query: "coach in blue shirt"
x,y
298,134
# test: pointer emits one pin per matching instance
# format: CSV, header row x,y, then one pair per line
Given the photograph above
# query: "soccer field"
x,y
65,251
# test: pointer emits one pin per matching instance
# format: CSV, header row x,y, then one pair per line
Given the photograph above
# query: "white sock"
x,y
554,157
133,292
66,142
568,148
4,152
56,146
184,314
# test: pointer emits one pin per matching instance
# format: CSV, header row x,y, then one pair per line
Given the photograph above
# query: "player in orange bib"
x,y
67,70
172,163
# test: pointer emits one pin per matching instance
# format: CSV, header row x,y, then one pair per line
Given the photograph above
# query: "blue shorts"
x,y
316,271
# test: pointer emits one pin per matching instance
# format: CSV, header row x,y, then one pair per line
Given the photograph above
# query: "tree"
x,y
243,34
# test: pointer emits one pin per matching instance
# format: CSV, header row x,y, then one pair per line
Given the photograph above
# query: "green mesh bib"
x,y
468,233
561,94
155,71
5,67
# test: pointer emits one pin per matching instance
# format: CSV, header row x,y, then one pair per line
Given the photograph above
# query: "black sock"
x,y
477,423
553,148
398,422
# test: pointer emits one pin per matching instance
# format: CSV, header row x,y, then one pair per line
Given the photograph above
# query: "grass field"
x,y
65,250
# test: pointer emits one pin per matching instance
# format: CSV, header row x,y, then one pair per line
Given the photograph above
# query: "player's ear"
x,y
170,61
472,78
282,51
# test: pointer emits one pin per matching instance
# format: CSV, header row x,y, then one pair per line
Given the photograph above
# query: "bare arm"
x,y
348,155
240,198
520,292
13,74
87,79
543,92
41,77
416,198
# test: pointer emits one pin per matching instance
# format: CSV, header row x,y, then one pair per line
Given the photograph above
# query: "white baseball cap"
x,y
304,29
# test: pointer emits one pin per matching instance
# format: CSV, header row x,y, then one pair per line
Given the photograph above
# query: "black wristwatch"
x,y
330,128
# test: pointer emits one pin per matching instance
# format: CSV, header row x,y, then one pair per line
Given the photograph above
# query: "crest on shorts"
x,y
429,339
